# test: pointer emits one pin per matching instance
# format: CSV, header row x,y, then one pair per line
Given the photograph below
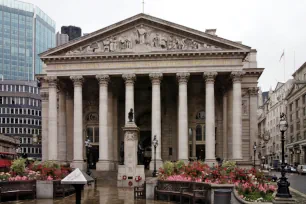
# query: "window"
x,y
290,106
298,126
297,103
291,128
297,114
199,133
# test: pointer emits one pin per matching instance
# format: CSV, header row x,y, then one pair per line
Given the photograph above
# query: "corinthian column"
x,y
156,117
183,117
78,160
52,126
104,157
225,140
44,122
210,152
62,137
129,94
237,115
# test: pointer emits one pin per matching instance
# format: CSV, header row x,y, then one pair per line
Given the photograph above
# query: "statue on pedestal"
x,y
131,115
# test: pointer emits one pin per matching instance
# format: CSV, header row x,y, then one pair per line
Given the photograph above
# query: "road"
x,y
296,181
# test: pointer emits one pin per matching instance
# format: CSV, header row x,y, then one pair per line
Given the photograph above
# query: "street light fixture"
x,y
283,184
254,148
88,147
155,144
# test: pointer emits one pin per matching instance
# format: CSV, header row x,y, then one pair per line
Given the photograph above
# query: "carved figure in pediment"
x,y
112,44
194,45
100,47
142,35
76,51
163,43
156,40
106,45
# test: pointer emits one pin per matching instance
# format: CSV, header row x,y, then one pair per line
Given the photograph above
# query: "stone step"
x,y
105,177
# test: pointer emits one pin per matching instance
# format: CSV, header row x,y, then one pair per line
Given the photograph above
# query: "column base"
x,y
159,163
78,164
105,166
211,162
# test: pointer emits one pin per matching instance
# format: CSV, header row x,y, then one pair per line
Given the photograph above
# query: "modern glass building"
x,y
25,31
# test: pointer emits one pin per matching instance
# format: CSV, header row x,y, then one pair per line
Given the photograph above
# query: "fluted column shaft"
x,y
237,116
253,92
210,151
52,123
44,123
129,94
62,136
225,140
183,117
104,157
78,159
156,115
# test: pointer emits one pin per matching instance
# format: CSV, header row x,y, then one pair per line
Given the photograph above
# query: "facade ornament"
x,y
44,96
237,76
77,80
129,78
156,78
133,41
130,135
183,77
103,79
52,81
253,91
210,76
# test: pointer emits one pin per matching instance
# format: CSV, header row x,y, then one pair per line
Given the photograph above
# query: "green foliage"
x,y
18,166
168,168
179,165
229,165
257,196
50,164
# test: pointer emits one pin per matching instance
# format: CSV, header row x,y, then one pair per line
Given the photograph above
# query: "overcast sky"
x,y
270,26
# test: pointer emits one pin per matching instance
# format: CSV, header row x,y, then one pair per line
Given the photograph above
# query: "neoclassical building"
x,y
195,91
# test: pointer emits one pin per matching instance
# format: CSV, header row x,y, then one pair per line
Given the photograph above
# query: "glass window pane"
x,y
199,133
90,133
96,134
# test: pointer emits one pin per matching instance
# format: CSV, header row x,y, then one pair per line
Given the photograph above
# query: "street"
x,y
296,181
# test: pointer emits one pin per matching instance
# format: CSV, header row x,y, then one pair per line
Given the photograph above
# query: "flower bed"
x,y
251,185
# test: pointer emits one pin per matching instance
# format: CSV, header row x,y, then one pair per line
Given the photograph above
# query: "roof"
x,y
299,69
138,19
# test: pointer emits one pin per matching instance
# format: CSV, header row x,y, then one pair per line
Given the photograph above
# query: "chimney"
x,y
211,31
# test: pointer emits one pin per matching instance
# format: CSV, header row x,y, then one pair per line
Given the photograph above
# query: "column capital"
x,y
52,81
129,78
77,80
182,77
210,76
103,79
237,76
44,96
253,91
156,77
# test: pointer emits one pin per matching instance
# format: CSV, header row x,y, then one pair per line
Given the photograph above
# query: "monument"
x,y
130,174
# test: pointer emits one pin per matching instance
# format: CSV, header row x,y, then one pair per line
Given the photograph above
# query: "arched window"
x,y
199,133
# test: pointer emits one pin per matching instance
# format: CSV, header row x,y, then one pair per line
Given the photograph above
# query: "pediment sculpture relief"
x,y
142,39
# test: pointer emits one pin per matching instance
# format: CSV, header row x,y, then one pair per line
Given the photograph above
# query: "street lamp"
x,y
254,148
88,146
263,162
283,184
155,144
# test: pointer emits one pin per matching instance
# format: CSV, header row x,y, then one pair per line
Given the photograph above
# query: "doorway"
x,y
200,152
94,156
144,157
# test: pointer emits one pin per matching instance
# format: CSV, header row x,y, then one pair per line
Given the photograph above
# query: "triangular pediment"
x,y
144,34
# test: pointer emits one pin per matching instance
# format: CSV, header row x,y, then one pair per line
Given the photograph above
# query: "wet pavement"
x,y
100,195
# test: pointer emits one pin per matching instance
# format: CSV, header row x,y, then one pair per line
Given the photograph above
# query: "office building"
x,y
72,31
61,39
25,32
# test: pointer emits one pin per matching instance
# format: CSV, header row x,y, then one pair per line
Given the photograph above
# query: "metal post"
x,y
283,184
254,156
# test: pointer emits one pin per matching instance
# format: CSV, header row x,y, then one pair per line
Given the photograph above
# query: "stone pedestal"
x,y
130,171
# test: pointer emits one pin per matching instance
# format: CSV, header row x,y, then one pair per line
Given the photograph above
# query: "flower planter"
x,y
240,200
17,188
44,189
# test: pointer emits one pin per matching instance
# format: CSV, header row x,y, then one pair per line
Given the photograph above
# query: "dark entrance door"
x,y
94,156
200,152
145,142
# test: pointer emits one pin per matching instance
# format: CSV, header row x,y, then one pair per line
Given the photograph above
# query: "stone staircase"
x,y
108,178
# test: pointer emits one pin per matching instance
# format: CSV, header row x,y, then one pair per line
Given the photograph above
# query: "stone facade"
x,y
296,116
195,91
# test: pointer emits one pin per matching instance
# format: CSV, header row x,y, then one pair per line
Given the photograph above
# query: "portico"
x,y
191,92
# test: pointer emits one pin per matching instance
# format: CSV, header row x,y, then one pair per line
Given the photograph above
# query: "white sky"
x,y
270,26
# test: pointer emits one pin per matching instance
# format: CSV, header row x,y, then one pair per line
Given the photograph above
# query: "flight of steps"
x,y
108,178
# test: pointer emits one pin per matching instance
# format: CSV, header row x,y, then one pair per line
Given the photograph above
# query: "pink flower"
x,y
49,178
24,178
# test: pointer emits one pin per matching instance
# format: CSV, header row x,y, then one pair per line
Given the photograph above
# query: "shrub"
x,y
18,166
229,165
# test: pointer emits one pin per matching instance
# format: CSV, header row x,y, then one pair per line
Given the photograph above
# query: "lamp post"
x,y
263,162
88,146
283,184
254,148
155,144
